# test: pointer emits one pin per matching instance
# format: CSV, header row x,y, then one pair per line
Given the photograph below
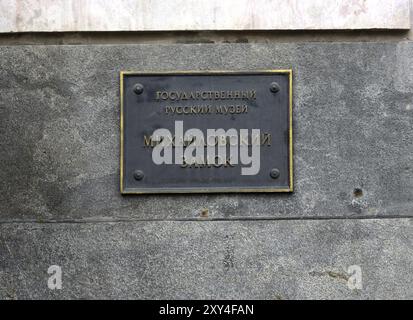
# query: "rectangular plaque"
x,y
211,131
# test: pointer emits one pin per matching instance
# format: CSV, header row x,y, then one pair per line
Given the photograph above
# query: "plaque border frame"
x,y
189,190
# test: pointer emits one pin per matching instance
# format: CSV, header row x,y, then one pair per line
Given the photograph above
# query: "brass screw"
x,y
138,88
138,175
274,87
274,173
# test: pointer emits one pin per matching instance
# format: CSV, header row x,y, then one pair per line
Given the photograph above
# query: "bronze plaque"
x,y
211,131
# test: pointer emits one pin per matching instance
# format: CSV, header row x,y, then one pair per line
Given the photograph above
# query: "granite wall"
x,y
352,206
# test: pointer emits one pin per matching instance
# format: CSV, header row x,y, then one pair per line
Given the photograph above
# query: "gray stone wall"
x,y
352,205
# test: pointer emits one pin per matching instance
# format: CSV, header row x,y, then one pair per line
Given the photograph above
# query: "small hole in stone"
x,y
357,192
204,213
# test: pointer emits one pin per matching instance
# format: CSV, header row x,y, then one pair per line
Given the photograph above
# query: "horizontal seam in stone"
x,y
236,219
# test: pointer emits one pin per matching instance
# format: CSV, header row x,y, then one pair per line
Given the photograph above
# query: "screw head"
x,y
138,88
274,173
138,175
274,87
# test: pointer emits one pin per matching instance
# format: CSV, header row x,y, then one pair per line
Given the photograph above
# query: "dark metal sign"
x,y
185,132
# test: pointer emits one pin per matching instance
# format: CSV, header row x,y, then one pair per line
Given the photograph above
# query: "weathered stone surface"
x,y
59,123
204,260
172,15
59,161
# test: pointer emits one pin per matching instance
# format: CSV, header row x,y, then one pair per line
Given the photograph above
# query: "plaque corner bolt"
x,y
274,173
138,88
274,87
138,175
